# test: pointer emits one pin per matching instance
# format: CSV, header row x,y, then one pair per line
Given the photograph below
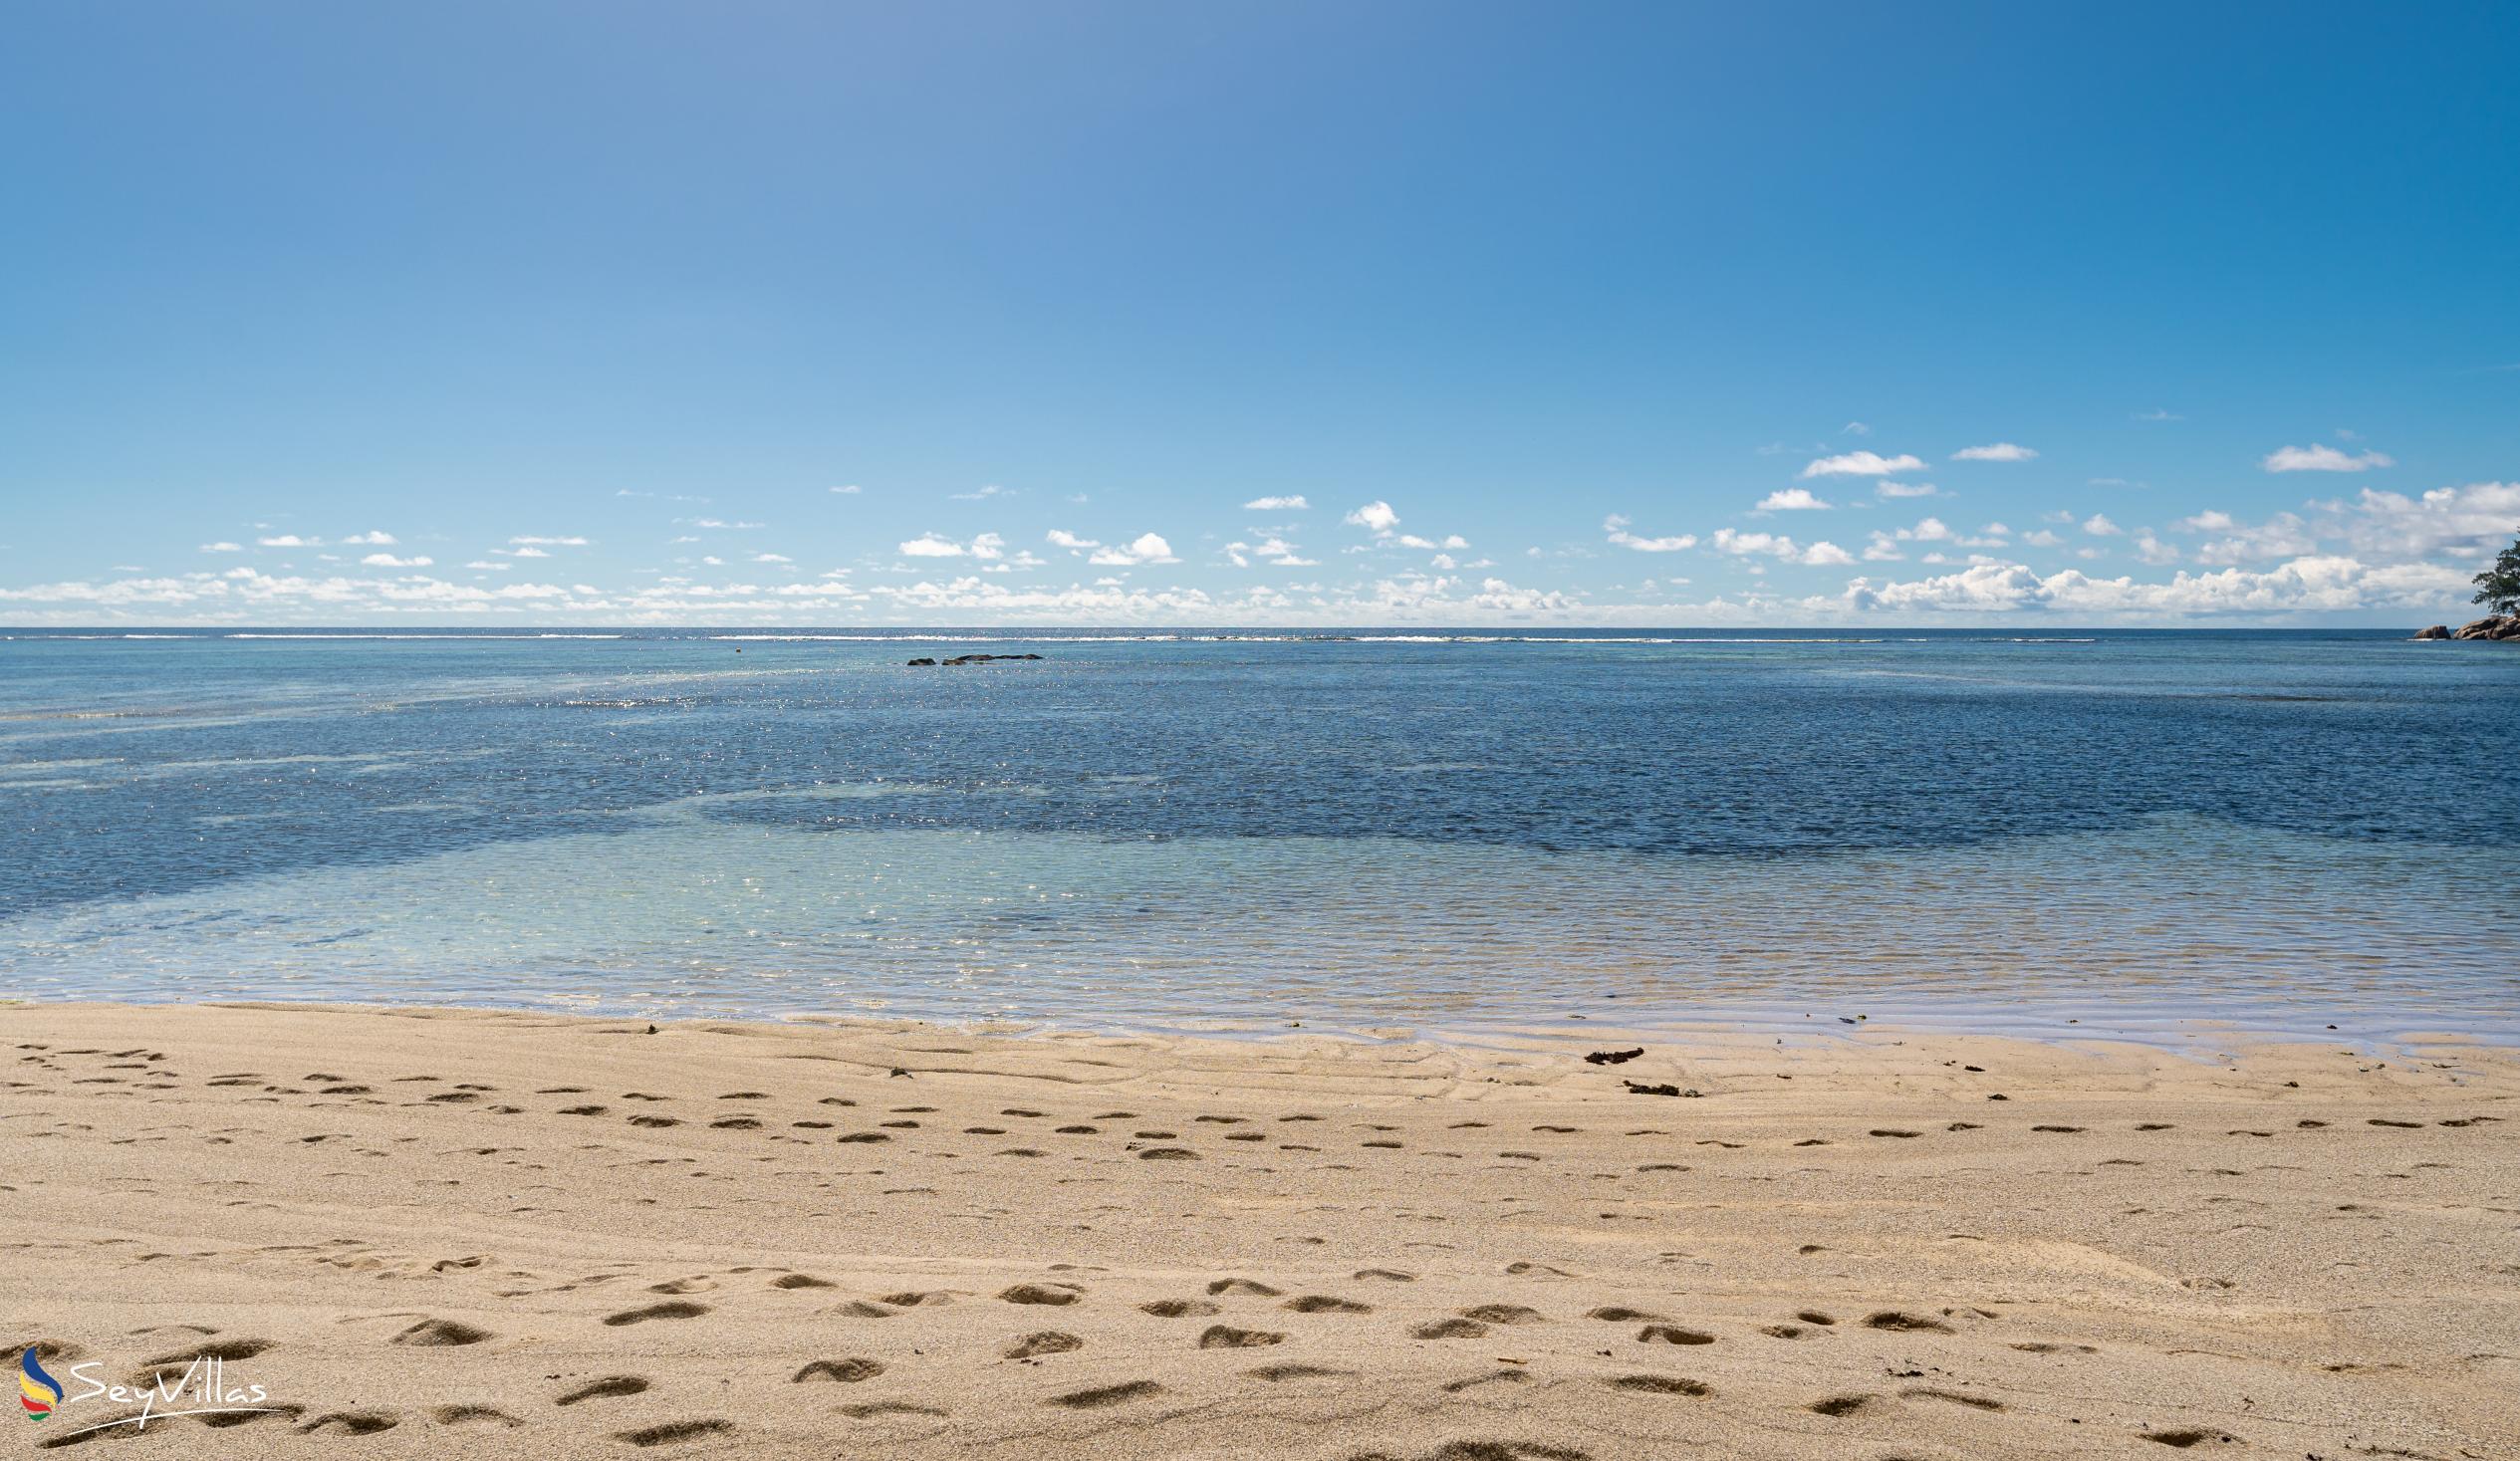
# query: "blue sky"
x,y
982,312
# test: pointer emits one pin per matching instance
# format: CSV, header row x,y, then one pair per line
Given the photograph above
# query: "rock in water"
x,y
2437,632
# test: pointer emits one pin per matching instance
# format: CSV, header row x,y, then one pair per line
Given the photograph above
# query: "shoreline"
x,y
458,1232
2151,1024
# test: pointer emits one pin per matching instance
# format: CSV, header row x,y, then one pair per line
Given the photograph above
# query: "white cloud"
x,y
1884,542
2476,519
1276,550
290,540
1617,527
1148,547
1862,464
983,495
387,560
2041,539
578,542
1854,428
1278,504
1411,539
370,540
1376,515
2323,458
771,557
1791,499
1906,489
930,545
222,547
2305,585
1817,555
2099,525
2284,535
1062,537
852,490
696,522
526,553
2152,550
2000,451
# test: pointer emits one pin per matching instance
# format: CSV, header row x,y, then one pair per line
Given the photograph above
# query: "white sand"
x,y
452,1233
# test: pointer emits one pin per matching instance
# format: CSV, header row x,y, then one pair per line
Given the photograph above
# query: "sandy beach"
x,y
439,1233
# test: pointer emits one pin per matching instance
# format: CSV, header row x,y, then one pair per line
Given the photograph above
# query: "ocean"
x,y
1373,830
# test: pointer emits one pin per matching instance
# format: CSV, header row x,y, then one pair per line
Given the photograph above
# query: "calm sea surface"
x,y
1396,828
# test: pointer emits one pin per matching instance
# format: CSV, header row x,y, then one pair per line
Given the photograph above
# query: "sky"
x,y
1244,314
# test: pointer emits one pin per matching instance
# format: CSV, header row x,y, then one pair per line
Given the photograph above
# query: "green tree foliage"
x,y
2498,587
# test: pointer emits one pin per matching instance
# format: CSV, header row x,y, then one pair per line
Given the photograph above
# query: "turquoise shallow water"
x,y
2280,829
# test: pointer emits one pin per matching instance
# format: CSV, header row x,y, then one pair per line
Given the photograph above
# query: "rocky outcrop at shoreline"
x,y
2491,627
973,660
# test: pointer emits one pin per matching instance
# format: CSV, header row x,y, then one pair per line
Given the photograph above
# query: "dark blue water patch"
x,y
134,768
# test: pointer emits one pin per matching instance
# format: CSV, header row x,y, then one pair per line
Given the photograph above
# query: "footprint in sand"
x,y
351,1423
224,1350
1325,1304
801,1281
1975,1402
1449,1329
1278,1372
1663,1333
2182,1439
677,1310
1039,1294
1179,1309
1890,1319
440,1332
473,1415
1242,1286
675,1430
1096,1399
1839,1404
222,1421
1502,1314
1046,1342
611,1386
1661,1384
1226,1336
845,1371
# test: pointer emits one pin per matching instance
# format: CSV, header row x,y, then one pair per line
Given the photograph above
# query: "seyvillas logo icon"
x,y
38,1391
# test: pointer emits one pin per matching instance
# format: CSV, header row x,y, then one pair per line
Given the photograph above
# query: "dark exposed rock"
x,y
1613,1056
2437,632
2492,627
973,660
